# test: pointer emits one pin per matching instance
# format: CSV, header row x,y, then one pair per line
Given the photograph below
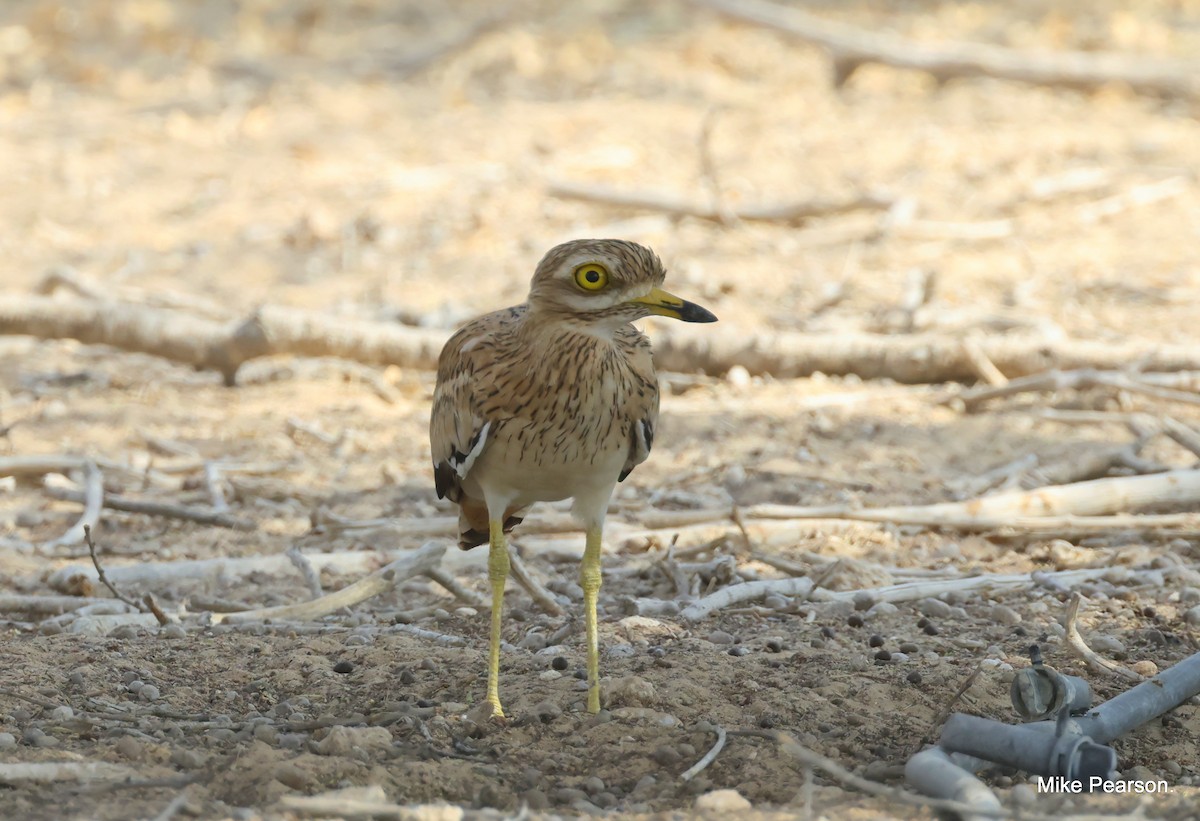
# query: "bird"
x,y
552,399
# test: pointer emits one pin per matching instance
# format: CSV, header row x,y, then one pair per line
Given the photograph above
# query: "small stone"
x,y
533,642
934,608
722,801
739,650
466,612
875,641
135,686
7,741
560,663
881,609
913,678
188,759
594,784
149,693
1146,668
1172,767
883,655
407,677
129,747
1107,644
738,376
536,800
266,734
855,620
1024,796
828,632
1003,614
666,756
931,630
343,667
568,795
292,776
863,600
1192,616
777,602
909,647
550,675
720,637
62,713
774,645
346,740
632,691
546,711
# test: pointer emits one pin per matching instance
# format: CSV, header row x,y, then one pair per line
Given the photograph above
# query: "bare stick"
x,y
1136,197
381,581
441,638
93,502
543,597
312,579
1018,508
154,608
199,515
87,535
709,757
666,203
457,588
851,47
746,591
47,605
172,809
212,482
1094,660
1073,380
1184,435
985,367
47,772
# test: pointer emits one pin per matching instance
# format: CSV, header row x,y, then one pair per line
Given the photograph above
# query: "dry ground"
x,y
220,155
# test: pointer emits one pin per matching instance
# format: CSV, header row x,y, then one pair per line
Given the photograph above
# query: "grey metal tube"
x,y
1026,748
934,773
1136,706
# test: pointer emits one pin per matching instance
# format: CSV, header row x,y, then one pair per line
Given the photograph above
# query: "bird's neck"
x,y
546,324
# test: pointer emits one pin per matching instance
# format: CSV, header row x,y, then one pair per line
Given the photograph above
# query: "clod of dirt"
x,y
631,691
349,740
722,801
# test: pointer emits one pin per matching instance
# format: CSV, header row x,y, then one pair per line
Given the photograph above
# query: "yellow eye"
x,y
591,277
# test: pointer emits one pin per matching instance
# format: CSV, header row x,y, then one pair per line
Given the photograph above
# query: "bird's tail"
x,y
473,522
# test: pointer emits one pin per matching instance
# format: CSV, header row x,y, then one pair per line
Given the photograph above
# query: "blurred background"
x,y
395,159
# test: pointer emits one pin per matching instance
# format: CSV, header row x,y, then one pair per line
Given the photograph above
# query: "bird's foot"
x,y
594,698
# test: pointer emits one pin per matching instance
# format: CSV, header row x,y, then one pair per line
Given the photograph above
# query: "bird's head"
x,y
606,283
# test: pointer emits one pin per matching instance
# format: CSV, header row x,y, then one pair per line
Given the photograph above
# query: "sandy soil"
x,y
221,155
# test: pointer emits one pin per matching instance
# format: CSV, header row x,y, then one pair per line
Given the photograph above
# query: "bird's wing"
x,y
459,424
642,402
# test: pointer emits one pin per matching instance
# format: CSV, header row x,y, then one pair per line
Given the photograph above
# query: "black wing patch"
x,y
641,439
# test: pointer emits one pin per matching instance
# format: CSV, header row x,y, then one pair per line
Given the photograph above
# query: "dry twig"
x,y
87,535
537,591
312,578
851,47
199,515
93,502
709,757
1094,660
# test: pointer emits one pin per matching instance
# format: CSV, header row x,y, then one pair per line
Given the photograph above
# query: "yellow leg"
x,y
589,580
497,573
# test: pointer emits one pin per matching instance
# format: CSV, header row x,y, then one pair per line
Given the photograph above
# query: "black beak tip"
x,y
691,312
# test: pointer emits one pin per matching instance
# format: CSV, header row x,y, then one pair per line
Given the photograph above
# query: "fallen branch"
x,y
851,47
199,515
709,757
93,500
381,581
47,605
208,345
1021,509
87,535
746,591
915,358
272,331
1094,660
536,590
797,211
312,578
1056,380
18,774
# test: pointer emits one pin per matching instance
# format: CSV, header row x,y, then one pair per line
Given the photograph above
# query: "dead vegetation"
x,y
953,394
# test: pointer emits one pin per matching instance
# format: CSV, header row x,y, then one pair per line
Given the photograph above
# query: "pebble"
x,y
173,631
883,608
594,784
934,608
909,647
722,801
550,675
777,602
560,663
720,637
1146,668
863,600
1173,767
357,641
632,691
738,376
1004,614
1192,616
1024,796
292,776
546,711
188,759
913,678
7,741
533,642
149,693
774,645
568,795
931,630
466,612
124,631
883,655
266,734
620,651
876,640
134,685
129,747
1107,644
62,713
36,738
666,756
343,667
855,620
1189,594
739,650
345,740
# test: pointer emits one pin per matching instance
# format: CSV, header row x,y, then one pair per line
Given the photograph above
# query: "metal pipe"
x,y
1072,756
934,773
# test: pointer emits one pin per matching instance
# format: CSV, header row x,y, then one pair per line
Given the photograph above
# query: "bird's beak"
x,y
662,303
